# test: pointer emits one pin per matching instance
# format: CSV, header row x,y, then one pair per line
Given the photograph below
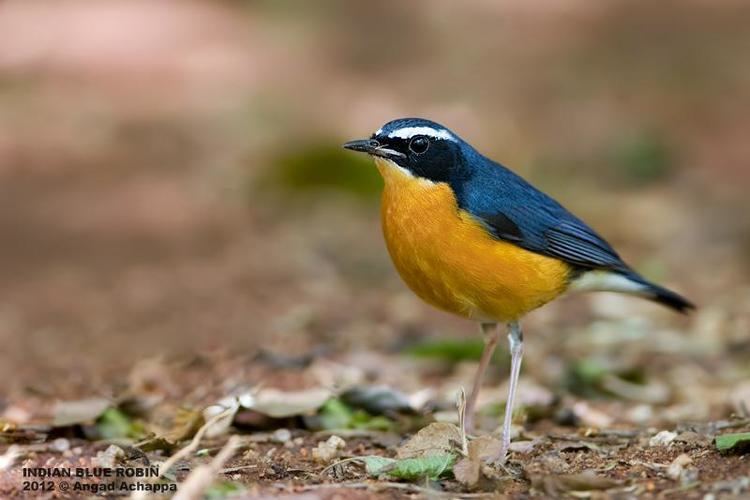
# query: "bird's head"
x,y
420,147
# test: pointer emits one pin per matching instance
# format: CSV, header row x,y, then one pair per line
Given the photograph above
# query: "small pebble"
x,y
675,469
282,435
61,445
588,415
109,457
662,438
328,450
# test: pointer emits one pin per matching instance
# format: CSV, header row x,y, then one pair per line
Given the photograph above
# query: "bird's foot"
x,y
501,458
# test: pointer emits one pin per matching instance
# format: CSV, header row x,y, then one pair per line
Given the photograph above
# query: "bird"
x,y
471,237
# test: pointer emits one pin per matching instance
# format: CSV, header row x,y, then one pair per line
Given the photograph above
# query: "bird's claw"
x,y
501,458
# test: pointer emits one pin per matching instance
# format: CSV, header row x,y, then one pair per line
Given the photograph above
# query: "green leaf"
x,y
432,466
113,424
335,414
374,464
223,489
733,442
584,377
364,421
451,350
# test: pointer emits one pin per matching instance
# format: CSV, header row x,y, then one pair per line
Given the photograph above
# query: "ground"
x,y
564,444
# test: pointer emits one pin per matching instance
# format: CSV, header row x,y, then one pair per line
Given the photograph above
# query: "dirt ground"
x,y
565,445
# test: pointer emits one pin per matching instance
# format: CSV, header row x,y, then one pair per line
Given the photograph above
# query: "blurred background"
x,y
172,181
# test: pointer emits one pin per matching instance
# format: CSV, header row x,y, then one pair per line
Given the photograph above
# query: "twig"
x,y
461,404
202,476
183,452
229,470
190,448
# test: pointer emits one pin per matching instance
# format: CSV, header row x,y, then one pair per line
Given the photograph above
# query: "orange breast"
x,y
450,261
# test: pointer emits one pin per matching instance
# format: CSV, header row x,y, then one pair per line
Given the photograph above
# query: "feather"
x,y
514,211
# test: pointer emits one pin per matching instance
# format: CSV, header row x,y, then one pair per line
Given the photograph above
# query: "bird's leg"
x,y
491,335
515,339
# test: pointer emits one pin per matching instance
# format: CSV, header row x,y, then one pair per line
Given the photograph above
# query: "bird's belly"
x,y
450,261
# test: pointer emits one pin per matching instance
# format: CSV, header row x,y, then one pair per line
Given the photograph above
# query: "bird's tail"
x,y
629,282
663,295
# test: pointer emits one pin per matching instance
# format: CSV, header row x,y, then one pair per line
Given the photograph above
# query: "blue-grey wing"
x,y
514,211
576,243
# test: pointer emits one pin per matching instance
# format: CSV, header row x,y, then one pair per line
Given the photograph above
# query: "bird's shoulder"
x,y
515,211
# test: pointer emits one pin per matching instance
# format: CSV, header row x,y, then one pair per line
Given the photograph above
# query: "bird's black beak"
x,y
372,147
363,145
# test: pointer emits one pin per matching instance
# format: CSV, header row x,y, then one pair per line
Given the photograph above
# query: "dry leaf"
x,y
523,447
184,425
468,470
281,404
436,439
79,412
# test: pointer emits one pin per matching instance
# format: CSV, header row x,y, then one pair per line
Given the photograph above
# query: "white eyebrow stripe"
x,y
409,132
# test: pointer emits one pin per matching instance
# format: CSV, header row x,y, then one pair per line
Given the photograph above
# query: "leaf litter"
x,y
324,428
736,442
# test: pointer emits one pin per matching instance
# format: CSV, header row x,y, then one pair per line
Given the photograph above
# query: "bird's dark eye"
x,y
419,144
